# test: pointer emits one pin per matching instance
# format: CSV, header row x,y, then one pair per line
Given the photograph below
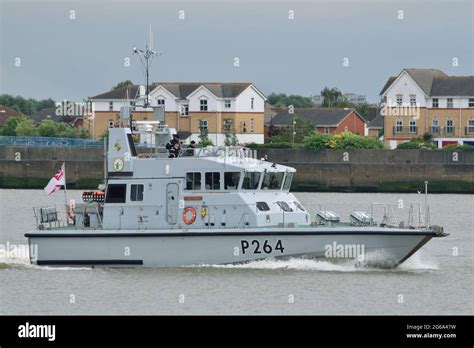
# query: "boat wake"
x,y
373,263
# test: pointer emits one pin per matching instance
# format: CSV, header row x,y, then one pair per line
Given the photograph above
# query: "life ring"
x,y
189,221
70,209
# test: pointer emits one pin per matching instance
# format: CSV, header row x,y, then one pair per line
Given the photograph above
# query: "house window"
x,y
203,124
227,103
435,126
252,125
412,99
399,99
231,180
184,110
193,181
160,101
111,124
449,127
412,126
326,130
435,102
111,106
244,127
399,126
203,104
385,99
471,102
136,192
251,103
449,103
213,181
470,126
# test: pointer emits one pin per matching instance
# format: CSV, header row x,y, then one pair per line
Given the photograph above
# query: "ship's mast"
x,y
146,58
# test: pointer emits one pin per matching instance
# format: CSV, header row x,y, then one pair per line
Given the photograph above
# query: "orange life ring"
x,y
189,221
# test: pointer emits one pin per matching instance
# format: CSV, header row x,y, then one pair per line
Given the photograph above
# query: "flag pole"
x,y
65,193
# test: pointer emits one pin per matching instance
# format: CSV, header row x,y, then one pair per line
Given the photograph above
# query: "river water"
x,y
437,280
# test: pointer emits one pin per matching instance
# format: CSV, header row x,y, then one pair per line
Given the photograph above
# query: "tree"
x,y
282,100
25,128
9,128
302,128
203,137
331,96
26,106
48,128
122,84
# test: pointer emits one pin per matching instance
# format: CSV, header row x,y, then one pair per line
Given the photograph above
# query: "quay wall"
x,y
325,170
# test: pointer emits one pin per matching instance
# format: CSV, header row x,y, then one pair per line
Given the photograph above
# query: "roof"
x,y
50,113
319,116
377,122
434,82
456,86
181,89
6,112
372,112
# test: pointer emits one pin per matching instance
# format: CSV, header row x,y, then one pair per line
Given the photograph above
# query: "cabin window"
x,y
272,181
116,193
284,206
263,206
231,180
288,179
213,181
136,192
251,180
193,181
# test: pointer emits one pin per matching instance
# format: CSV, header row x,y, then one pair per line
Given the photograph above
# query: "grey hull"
x,y
382,246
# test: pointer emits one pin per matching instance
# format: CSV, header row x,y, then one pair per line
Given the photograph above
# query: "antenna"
x,y
146,58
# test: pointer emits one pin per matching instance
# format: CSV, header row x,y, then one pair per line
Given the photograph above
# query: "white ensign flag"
x,y
57,181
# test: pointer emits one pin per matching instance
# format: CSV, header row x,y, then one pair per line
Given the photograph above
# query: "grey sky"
x,y
72,59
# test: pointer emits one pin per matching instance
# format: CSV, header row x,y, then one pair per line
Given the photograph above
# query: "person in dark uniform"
x,y
172,142
175,150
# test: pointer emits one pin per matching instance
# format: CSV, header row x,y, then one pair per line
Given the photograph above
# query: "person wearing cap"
x,y
190,149
172,141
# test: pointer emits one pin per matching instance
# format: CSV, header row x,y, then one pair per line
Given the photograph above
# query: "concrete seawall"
x,y
326,170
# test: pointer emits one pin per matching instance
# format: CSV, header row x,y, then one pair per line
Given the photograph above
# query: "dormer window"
x,y
160,101
412,99
435,102
203,105
111,106
227,104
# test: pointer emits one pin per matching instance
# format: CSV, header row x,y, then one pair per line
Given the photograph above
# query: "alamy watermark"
x,y
19,251
345,251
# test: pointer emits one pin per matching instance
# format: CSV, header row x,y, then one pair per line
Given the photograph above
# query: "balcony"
x,y
405,131
469,130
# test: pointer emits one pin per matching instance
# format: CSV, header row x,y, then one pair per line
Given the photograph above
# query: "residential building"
x,y
188,107
6,113
325,120
419,101
53,114
375,126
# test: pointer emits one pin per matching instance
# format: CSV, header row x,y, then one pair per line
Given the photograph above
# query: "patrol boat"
x,y
215,205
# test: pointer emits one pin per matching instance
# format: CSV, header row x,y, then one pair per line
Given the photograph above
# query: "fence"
x,y
23,141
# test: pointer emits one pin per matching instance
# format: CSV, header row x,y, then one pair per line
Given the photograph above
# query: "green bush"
x,y
316,141
416,145
459,147
349,140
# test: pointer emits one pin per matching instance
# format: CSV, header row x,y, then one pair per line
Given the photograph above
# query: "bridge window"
x,y
251,180
116,193
136,192
263,206
288,179
284,206
213,181
231,180
272,181
193,181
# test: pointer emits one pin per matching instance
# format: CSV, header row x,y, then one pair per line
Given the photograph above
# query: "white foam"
x,y
419,261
